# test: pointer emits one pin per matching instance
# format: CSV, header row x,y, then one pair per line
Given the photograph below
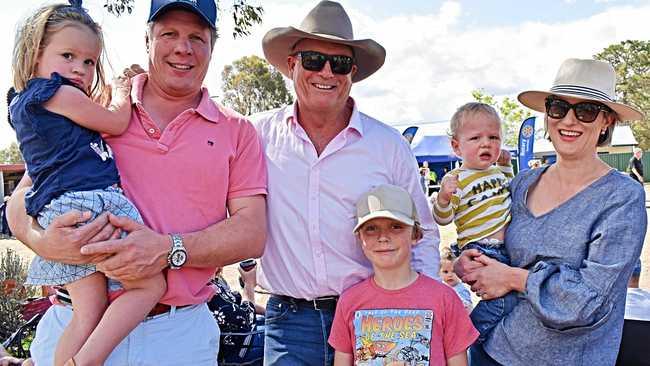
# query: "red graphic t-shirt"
x,y
422,324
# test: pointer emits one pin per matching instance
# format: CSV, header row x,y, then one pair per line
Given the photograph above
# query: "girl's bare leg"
x,y
89,300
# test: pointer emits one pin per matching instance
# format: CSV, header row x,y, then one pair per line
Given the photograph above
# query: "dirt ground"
x,y
447,234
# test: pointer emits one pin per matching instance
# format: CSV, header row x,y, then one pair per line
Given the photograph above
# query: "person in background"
x,y
636,165
240,320
448,276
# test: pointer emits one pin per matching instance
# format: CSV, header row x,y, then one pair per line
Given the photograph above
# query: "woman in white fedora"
x,y
576,232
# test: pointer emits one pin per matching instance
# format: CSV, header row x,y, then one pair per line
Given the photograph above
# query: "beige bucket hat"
x,y
328,22
585,79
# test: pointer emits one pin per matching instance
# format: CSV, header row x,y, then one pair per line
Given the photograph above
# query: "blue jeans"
x,y
297,335
478,357
488,313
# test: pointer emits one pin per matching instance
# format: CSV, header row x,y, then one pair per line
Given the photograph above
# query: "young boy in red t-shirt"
x,y
397,316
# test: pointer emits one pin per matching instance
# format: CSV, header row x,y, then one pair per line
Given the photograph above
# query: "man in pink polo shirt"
x,y
323,154
196,172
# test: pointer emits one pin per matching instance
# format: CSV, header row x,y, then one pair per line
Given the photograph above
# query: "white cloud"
x,y
432,62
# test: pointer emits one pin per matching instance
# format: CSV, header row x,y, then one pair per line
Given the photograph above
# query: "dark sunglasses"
x,y
315,61
585,111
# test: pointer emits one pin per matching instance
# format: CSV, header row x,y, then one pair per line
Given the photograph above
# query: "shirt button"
x,y
151,130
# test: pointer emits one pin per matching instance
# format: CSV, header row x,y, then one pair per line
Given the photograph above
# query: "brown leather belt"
x,y
159,309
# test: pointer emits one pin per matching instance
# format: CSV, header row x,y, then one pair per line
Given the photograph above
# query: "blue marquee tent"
x,y
434,149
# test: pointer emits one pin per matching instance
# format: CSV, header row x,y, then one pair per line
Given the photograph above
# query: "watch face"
x,y
178,258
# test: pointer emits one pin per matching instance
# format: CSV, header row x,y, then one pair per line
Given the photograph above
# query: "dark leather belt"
x,y
319,303
159,309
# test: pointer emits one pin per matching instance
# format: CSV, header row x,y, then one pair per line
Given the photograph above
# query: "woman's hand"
x,y
495,279
466,263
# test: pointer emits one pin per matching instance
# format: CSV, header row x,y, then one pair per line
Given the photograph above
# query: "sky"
x,y
437,51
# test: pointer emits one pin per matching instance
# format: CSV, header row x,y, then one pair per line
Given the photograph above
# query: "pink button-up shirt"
x,y
311,250
181,178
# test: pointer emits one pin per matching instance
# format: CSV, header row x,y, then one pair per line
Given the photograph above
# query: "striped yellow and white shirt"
x,y
481,205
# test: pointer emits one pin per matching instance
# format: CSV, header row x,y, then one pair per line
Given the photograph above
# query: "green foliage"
x,y
118,7
11,154
244,15
251,85
631,60
13,272
511,112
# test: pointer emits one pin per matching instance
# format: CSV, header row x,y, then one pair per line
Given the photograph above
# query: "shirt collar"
x,y
355,123
207,108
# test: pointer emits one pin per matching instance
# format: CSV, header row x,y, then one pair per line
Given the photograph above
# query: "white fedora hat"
x,y
328,22
584,79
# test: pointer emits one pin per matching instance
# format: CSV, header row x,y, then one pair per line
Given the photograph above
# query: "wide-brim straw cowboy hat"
x,y
328,22
584,79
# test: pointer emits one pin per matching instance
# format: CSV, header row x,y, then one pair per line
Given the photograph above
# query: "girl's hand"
x,y
495,279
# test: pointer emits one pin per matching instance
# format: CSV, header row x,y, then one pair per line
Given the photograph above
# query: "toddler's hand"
x,y
504,158
448,187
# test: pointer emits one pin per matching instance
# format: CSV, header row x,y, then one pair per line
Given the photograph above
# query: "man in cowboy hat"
x,y
322,155
195,171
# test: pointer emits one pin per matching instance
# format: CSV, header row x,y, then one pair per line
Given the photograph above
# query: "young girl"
x,y
448,276
57,73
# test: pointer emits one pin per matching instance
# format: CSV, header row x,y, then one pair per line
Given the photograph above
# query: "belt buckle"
x,y
316,300
315,303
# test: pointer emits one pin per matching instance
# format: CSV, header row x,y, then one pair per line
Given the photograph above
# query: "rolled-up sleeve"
x,y
565,298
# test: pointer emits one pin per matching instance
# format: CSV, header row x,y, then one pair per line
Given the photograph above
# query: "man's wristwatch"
x,y
177,254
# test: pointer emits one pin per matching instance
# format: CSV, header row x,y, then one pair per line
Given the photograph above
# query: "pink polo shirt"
x,y
182,177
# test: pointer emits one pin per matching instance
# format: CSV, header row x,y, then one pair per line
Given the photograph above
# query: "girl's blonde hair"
x,y
35,33
446,254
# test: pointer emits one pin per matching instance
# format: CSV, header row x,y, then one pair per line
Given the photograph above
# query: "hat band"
x,y
583,91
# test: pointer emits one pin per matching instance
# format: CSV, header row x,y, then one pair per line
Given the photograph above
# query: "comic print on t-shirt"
x,y
392,337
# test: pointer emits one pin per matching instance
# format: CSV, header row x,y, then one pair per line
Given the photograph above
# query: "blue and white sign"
x,y
526,140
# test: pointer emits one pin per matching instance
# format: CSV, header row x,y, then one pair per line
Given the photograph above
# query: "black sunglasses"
x,y
584,111
315,61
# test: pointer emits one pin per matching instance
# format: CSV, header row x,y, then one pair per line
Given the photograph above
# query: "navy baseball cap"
x,y
206,9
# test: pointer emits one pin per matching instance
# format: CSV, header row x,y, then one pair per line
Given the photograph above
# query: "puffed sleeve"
x,y
41,90
574,299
